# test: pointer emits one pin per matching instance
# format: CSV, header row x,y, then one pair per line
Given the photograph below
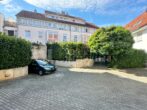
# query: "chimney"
x,y
63,12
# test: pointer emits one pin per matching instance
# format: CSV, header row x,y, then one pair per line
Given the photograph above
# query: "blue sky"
x,y
100,12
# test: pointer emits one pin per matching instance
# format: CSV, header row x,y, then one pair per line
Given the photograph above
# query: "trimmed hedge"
x,y
14,52
69,51
133,59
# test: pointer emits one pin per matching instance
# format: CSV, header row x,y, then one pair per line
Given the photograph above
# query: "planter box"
x,y
13,73
81,63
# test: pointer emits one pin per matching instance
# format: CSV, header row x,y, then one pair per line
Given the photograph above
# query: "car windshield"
x,y
41,62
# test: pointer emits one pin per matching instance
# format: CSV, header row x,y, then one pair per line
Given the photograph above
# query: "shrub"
x,y
113,41
69,51
14,52
133,59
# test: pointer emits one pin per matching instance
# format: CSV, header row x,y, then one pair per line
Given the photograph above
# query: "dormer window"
x,y
138,23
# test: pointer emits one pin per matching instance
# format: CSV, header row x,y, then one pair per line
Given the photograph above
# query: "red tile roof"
x,y
39,16
138,22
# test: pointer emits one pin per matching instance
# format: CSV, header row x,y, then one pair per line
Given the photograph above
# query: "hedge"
x,y
69,51
14,52
133,59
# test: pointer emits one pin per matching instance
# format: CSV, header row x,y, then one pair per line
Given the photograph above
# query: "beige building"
x,y
53,27
8,26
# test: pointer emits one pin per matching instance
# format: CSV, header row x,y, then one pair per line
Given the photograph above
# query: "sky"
x,y
99,12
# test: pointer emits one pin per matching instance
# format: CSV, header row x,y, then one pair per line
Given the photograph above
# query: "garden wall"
x,y
81,63
6,74
39,52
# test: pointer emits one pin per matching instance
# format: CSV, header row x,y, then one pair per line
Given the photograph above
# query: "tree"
x,y
112,41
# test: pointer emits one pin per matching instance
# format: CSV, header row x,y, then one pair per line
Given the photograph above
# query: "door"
x,y
34,67
10,32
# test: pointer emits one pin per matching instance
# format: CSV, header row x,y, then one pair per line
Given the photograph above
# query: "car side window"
x,y
34,63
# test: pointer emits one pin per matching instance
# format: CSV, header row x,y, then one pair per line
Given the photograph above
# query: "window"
x,y
52,37
64,38
49,24
54,25
140,33
86,30
61,27
27,34
138,23
55,37
53,17
75,38
40,34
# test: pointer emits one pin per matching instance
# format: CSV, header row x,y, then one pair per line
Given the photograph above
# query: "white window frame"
x,y
40,34
27,34
64,38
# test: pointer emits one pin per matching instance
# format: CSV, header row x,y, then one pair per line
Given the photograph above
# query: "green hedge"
x,y
14,52
69,51
133,59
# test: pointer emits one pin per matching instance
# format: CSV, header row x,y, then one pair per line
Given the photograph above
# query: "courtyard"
x,y
70,89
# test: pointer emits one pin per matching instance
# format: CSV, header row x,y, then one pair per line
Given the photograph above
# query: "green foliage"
x,y
69,51
14,52
110,41
133,59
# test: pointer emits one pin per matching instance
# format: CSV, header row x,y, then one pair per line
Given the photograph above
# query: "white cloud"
x,y
111,7
5,2
69,4
12,8
9,6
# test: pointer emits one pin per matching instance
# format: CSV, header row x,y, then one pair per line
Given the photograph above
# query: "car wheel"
x,y
40,73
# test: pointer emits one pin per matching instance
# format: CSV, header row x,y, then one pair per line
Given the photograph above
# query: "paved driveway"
x,y
67,90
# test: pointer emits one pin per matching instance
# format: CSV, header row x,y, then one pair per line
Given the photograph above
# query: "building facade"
x,y
53,27
8,26
138,28
1,22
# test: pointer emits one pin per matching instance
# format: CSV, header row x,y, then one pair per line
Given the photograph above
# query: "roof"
x,y
39,16
9,24
138,22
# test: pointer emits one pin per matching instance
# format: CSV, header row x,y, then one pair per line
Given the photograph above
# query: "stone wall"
x,y
81,63
39,52
13,73
84,63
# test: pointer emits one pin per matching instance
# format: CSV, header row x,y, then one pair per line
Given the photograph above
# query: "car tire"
x,y
40,73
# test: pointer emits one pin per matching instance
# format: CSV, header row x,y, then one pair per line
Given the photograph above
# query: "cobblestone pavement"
x,y
66,90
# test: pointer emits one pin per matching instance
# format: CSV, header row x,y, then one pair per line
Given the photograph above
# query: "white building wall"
x,y
81,37
34,33
1,22
140,38
6,29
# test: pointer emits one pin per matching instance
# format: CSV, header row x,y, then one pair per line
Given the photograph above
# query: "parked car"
x,y
41,67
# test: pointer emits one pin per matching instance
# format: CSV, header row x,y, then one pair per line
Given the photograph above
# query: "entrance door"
x,y
10,32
